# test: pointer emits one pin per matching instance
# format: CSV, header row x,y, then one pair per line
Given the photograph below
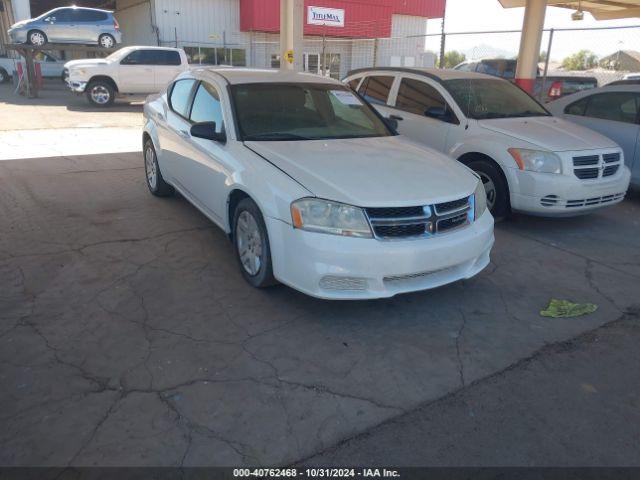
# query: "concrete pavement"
x,y
128,336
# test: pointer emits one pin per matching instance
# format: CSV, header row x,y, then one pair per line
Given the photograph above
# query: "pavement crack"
x,y
458,356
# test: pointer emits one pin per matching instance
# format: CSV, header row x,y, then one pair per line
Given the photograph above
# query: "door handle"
x,y
396,117
183,133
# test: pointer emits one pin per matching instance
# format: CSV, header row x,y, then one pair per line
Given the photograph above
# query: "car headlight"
x,y
479,200
536,160
324,216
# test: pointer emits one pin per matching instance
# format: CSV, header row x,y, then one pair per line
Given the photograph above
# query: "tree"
x,y
583,60
542,57
453,58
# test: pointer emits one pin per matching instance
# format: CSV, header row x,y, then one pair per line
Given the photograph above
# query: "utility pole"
x,y
291,34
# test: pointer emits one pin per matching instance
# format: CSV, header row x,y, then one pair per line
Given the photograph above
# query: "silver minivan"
x,y
69,25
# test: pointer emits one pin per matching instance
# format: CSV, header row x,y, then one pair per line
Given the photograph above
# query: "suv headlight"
x,y
536,160
479,200
324,216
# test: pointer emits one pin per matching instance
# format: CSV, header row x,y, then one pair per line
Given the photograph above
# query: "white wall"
x,y
135,19
200,22
21,10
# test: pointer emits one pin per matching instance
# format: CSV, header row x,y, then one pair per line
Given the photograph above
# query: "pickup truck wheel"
x,y
155,181
106,41
100,94
495,187
37,38
251,245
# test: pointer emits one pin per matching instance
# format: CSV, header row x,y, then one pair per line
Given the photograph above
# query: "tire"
x,y
100,93
4,76
248,214
495,186
37,38
154,179
106,41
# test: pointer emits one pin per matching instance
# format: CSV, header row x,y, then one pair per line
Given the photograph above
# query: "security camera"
x,y
577,15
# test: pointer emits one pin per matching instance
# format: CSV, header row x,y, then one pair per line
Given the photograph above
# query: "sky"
x,y
482,15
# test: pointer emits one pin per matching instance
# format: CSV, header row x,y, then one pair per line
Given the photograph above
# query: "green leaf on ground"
x,y
564,309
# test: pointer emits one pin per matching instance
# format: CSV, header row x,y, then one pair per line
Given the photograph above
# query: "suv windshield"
x,y
303,111
484,98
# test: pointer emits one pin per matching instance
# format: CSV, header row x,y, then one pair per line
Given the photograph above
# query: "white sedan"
x,y
313,187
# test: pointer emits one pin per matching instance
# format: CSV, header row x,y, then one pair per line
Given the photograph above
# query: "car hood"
x,y
551,133
369,172
86,62
19,24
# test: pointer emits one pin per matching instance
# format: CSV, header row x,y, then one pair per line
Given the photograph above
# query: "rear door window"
x,y
166,57
376,88
180,97
89,16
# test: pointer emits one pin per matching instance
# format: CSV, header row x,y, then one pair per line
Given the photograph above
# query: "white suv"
x,y
528,160
313,187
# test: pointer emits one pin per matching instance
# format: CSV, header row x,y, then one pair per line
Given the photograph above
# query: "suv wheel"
x,y
251,244
106,41
494,185
155,181
37,38
100,93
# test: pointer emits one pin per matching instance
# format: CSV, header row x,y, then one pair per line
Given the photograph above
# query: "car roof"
x,y
149,47
75,7
235,75
437,74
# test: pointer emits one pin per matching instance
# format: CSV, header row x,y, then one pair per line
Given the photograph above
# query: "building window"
x,y
275,61
217,56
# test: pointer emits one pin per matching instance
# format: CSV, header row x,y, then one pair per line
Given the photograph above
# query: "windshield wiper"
x,y
275,136
529,113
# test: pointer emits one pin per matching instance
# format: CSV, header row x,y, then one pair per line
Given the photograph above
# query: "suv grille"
x,y
591,167
407,222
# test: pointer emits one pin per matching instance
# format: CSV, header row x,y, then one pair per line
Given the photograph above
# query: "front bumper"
x,y
17,35
341,268
547,194
77,86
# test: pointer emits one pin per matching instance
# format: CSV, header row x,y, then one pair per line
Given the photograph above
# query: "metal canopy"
x,y
600,9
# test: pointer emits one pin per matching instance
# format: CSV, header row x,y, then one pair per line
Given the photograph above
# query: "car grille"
x,y
420,221
591,167
586,202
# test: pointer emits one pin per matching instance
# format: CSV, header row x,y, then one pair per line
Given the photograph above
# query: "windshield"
x,y
484,98
303,111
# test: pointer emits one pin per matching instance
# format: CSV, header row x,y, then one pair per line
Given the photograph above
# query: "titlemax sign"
x,y
333,17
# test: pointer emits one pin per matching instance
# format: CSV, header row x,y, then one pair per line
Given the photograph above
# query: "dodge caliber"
x,y
314,188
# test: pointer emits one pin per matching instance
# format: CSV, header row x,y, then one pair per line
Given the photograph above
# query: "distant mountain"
x,y
488,51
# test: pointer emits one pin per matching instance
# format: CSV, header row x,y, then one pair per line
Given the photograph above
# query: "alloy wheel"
x,y
489,188
106,41
100,94
249,243
37,39
150,167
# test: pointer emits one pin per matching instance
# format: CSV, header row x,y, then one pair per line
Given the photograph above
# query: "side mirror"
x,y
207,130
392,123
439,113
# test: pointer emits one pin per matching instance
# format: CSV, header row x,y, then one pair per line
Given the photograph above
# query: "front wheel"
x,y
106,41
37,38
4,76
100,94
495,187
251,244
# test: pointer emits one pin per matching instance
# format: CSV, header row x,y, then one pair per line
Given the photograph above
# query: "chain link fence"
x,y
603,53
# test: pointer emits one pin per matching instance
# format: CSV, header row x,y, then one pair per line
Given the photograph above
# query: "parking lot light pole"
x,y
530,40
291,33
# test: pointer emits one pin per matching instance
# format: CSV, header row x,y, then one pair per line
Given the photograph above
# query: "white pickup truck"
x,y
129,72
50,66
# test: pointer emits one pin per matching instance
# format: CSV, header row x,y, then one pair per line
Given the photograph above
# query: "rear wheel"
x,y
100,93
37,38
106,41
495,187
155,181
251,244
